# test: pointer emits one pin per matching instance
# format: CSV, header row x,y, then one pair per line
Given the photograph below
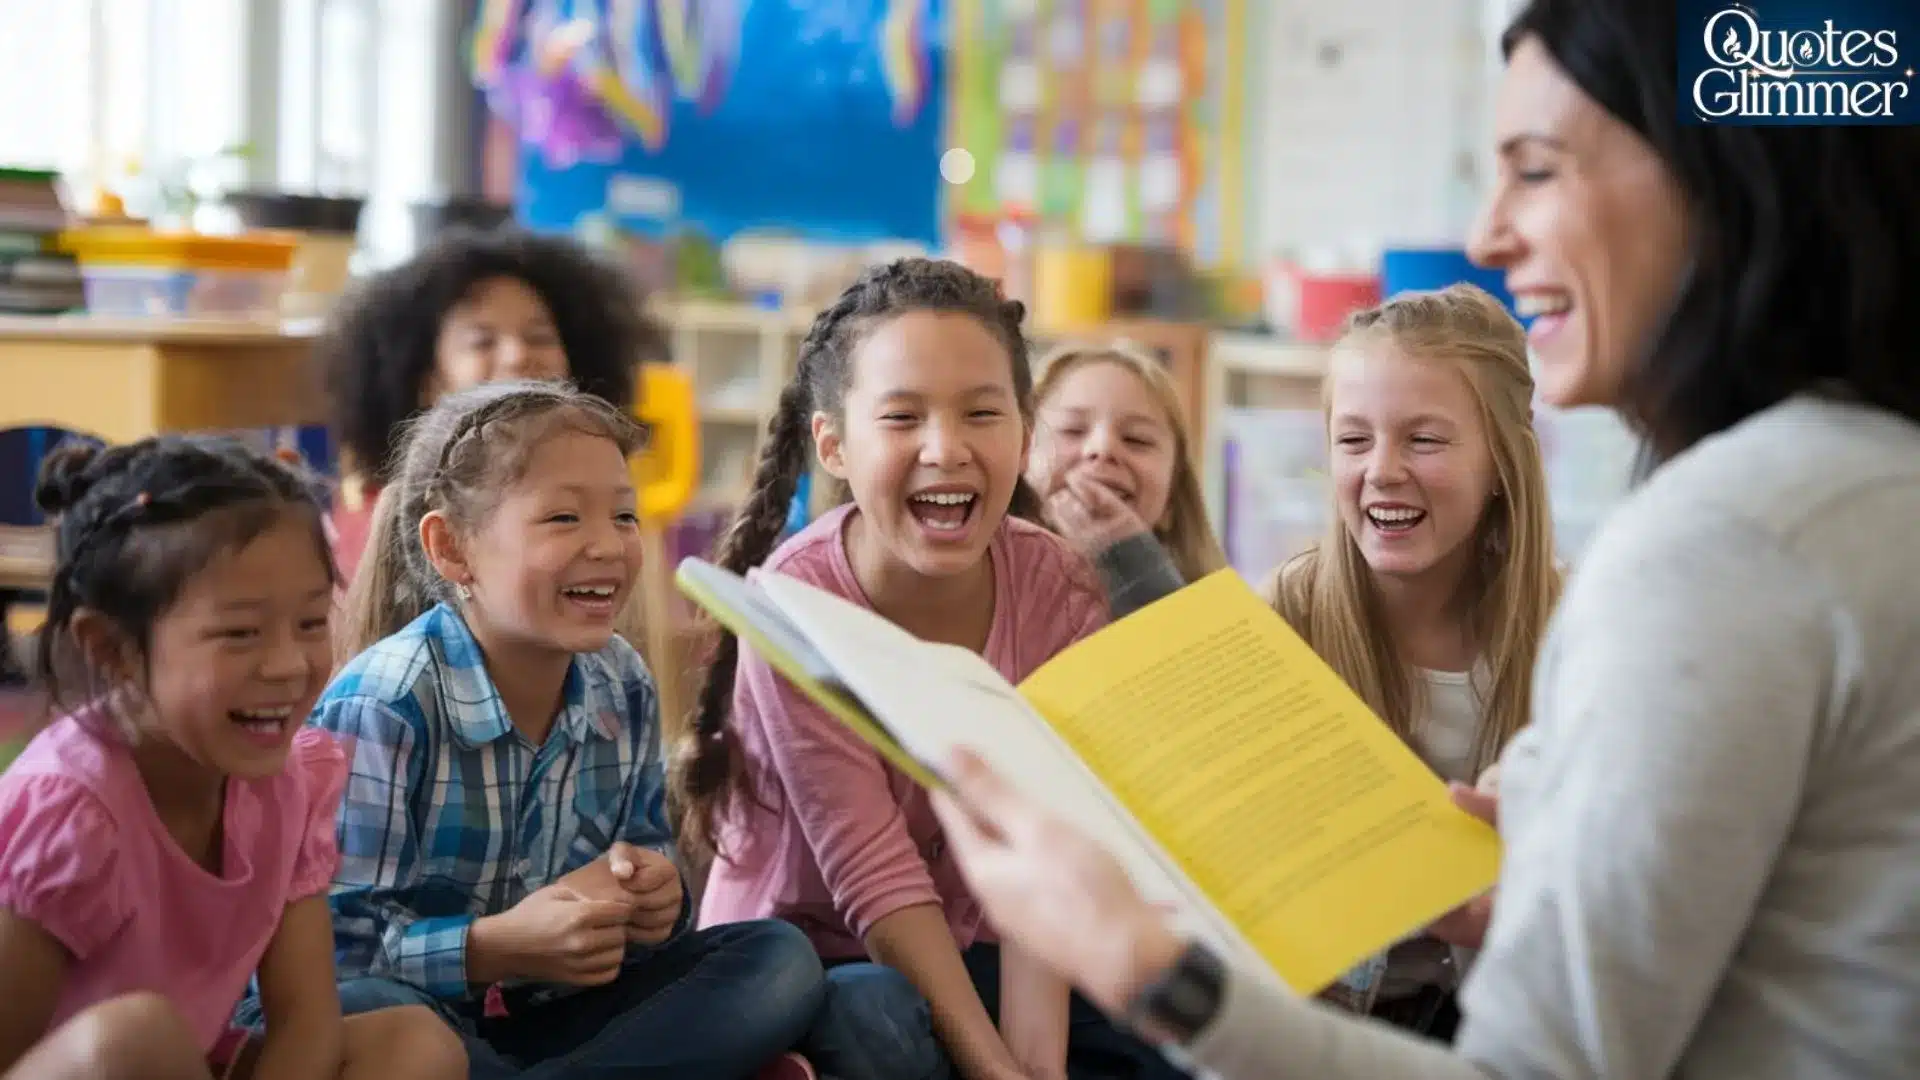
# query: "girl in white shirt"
x,y
1432,590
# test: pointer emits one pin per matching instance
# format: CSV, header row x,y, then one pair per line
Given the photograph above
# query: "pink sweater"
x,y
838,839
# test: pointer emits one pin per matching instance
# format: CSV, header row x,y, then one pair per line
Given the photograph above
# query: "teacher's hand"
x,y
1051,891
1466,925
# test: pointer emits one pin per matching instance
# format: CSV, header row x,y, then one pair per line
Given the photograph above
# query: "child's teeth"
x,y
944,498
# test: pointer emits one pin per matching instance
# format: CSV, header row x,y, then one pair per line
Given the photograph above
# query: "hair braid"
x,y
705,770
709,761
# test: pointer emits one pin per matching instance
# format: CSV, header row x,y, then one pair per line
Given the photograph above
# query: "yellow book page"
x,y
1297,812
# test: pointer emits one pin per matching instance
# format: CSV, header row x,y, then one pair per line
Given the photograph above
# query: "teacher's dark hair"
x,y
1806,239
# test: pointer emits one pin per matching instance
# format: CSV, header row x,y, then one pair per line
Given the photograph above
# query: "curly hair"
x,y
706,768
381,347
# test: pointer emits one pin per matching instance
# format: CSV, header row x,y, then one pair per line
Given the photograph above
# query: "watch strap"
x,y
1180,1004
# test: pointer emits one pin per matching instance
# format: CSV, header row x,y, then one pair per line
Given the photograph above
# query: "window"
x,y
120,87
147,98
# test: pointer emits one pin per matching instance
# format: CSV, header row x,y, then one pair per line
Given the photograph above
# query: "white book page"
x,y
937,698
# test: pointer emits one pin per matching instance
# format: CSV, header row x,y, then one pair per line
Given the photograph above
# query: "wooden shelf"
x,y
740,358
1253,371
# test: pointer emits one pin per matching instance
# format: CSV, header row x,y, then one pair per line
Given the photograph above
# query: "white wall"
x,y
1368,121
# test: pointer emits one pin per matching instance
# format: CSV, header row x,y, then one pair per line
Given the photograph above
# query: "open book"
x,y
1200,741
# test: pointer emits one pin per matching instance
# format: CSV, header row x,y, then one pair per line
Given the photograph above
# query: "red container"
x,y
1327,299
1311,306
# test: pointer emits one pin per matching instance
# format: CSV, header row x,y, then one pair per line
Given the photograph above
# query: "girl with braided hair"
x,y
506,858
171,834
914,391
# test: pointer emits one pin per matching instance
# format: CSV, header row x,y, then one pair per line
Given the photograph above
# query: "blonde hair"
x,y
1183,529
456,458
1327,592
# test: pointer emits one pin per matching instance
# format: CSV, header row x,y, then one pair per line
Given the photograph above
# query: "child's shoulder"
x,y
395,668
74,776
814,553
1045,570
80,746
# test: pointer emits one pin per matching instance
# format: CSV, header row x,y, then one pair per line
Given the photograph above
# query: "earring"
x,y
463,592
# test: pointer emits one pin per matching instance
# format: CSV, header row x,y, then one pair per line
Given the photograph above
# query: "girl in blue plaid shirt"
x,y
505,852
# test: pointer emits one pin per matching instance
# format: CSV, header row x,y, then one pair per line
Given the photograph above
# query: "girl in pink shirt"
x,y
914,391
172,834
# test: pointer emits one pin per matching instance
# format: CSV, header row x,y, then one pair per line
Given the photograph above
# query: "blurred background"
x,y
1219,180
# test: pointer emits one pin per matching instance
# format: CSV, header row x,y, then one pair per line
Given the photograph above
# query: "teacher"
x,y
1712,829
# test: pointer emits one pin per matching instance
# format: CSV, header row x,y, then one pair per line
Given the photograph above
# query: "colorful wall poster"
x,y
823,117
1111,121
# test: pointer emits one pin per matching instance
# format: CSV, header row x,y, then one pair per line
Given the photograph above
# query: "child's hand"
x,y
557,934
653,883
604,877
1089,515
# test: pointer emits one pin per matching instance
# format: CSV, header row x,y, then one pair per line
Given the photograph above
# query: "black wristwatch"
x,y
1178,1005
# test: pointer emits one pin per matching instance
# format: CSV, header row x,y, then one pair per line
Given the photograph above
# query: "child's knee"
x,y
405,1040
875,1023
784,961
134,1035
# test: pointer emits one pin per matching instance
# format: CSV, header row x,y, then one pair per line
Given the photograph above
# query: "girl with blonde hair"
x,y
1431,592
1113,459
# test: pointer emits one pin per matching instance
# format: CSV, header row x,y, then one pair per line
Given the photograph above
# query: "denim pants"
x,y
713,1004
876,1026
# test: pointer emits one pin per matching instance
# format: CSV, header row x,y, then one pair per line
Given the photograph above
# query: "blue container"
x,y
1436,268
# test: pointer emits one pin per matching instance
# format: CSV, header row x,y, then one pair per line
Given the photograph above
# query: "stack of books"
x,y
35,277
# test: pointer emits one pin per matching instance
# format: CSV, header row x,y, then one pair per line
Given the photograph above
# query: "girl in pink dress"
x,y
171,834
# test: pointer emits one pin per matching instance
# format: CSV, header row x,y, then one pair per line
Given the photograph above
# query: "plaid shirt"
x,y
450,814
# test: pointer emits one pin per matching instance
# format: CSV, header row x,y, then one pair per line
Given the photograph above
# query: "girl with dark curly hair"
x,y
470,308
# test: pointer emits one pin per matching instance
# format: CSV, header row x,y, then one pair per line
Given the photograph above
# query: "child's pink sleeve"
x,y
59,862
320,766
837,787
1061,598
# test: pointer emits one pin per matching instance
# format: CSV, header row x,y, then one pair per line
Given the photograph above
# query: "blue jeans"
x,y
876,1026
716,1003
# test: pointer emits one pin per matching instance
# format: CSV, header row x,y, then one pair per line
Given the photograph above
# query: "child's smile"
x,y
240,660
554,562
944,510
931,441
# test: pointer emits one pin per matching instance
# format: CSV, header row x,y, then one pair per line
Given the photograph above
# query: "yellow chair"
x,y
665,475
667,472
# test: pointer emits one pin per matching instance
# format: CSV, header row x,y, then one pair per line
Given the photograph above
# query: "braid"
x,y
709,763
706,772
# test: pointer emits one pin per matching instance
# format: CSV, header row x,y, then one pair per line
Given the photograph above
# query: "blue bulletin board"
x,y
822,117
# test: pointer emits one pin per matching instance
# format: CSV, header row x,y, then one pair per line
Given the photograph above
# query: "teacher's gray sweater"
x,y
1712,828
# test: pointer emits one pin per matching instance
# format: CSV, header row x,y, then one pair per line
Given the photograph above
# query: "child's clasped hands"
x,y
577,930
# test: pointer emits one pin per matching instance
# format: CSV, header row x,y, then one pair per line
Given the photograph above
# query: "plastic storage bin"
x,y
141,273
